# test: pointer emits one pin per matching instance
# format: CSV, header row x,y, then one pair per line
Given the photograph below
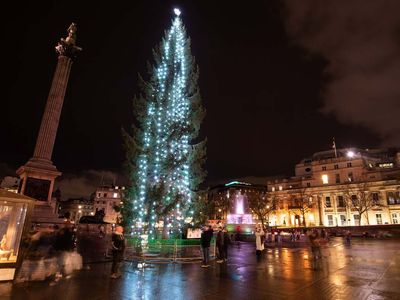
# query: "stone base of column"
x,y
41,164
37,181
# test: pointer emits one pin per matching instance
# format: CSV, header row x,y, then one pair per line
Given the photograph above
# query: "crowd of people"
x,y
315,238
49,253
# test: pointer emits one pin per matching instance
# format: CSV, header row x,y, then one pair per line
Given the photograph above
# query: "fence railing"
x,y
161,253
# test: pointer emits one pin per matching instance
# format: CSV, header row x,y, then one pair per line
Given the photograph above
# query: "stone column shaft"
x,y
48,128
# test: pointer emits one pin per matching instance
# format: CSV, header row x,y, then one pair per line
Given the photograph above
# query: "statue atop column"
x,y
67,46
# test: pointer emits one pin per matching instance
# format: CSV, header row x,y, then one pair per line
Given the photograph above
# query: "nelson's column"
x,y
38,174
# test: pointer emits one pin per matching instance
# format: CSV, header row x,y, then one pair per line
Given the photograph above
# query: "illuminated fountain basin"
x,y
240,219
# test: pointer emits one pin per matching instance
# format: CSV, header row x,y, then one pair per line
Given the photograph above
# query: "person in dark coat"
x,y
206,237
118,248
227,241
220,245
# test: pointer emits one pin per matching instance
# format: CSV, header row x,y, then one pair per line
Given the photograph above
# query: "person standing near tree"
x,y
206,237
118,249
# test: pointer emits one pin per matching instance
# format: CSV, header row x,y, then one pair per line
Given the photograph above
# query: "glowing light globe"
x,y
350,154
177,11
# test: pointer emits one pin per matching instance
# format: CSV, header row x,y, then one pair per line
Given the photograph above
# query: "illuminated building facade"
x,y
107,198
341,187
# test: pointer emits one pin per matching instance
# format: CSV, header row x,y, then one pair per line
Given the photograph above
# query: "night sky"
x,y
278,79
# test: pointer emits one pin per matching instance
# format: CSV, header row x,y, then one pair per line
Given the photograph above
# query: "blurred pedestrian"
x,y
348,237
259,244
118,249
237,239
101,231
293,235
220,245
227,241
279,237
314,239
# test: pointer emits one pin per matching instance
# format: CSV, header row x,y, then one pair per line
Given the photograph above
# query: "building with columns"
x,y
333,188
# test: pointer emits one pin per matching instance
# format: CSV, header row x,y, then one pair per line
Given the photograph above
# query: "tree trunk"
x,y
304,218
165,232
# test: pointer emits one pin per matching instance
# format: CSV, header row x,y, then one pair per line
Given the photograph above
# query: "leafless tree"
x,y
359,197
262,204
301,201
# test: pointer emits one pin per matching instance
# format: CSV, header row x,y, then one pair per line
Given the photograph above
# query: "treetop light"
x,y
177,11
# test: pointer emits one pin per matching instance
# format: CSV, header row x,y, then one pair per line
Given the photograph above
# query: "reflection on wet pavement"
x,y
367,269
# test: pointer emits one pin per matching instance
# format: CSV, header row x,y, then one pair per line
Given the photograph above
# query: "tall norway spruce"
x,y
164,154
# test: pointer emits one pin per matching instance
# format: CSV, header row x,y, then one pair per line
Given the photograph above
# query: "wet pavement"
x,y
367,269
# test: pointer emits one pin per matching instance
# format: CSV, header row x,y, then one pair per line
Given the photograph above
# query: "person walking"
x,y
348,237
259,244
293,235
227,241
205,240
314,238
220,245
118,248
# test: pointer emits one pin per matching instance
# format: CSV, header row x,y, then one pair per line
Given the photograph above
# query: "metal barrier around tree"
x,y
167,253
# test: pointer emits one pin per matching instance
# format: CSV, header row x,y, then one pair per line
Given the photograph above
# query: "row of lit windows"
x,y
280,188
114,195
392,198
325,178
336,166
111,203
378,218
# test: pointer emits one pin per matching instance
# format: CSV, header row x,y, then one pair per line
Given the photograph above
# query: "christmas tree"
x,y
164,154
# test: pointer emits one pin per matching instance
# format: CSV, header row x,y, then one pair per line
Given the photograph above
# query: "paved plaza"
x,y
367,269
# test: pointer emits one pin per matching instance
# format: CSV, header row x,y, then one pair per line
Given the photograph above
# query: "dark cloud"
x,y
86,182
361,40
6,170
